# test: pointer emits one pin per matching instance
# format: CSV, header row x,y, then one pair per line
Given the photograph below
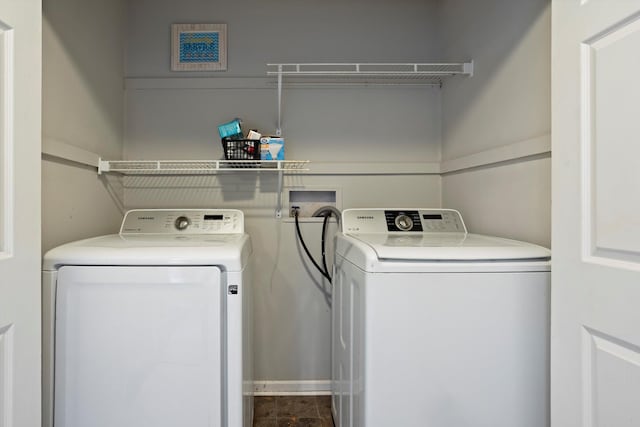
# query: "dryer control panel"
x,y
402,220
183,221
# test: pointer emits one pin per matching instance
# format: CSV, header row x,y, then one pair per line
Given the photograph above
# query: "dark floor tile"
x,y
287,422
327,421
299,422
296,406
324,406
292,411
265,422
264,407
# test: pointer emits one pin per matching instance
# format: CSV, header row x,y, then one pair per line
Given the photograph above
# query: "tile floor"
x,y
292,411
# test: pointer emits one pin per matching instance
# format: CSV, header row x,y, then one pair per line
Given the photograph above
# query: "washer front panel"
x,y
442,349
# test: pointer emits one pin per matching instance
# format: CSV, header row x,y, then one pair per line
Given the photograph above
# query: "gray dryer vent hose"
x,y
329,210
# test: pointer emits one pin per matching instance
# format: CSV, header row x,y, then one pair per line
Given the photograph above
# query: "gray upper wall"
x,y
505,104
82,107
508,99
82,96
165,120
260,32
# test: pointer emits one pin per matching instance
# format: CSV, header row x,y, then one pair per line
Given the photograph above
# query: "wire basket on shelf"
x,y
241,149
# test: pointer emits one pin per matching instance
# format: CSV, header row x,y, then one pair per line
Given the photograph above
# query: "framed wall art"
x,y
198,47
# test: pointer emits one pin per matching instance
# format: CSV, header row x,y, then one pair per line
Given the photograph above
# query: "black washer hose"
x,y
325,222
327,212
304,246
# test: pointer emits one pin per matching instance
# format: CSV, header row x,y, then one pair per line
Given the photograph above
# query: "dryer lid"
x,y
179,237
230,251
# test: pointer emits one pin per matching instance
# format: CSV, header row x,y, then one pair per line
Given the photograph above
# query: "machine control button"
x,y
182,222
404,222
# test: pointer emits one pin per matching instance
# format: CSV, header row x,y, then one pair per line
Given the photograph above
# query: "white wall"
x,y
83,104
390,124
175,115
502,113
285,31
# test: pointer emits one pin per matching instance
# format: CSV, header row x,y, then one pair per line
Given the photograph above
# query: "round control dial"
x,y
404,222
182,222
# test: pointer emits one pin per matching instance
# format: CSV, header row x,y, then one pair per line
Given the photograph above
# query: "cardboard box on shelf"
x,y
271,148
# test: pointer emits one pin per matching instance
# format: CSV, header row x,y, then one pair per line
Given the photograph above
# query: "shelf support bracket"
x,y
103,166
279,196
279,128
468,68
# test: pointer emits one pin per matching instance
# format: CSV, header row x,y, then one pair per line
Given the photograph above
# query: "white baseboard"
x,y
302,388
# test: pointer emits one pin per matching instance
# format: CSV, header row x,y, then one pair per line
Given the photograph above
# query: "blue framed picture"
x,y
198,47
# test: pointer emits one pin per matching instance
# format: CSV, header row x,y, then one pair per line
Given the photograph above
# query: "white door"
x,y
595,356
20,105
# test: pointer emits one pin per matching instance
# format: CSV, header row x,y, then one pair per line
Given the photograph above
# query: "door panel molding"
x,y
611,226
6,139
6,375
611,380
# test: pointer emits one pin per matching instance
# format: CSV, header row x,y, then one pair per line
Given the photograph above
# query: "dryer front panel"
x,y
138,346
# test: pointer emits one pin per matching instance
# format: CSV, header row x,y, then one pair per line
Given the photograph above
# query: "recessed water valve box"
x,y
309,201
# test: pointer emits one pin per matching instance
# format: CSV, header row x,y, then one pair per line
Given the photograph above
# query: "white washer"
x,y
436,327
151,326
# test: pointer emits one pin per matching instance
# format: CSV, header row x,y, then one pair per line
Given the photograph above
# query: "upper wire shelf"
x,y
197,167
429,73
422,74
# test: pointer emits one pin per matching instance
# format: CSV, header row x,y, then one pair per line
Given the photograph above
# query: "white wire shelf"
x,y
350,74
383,72
197,167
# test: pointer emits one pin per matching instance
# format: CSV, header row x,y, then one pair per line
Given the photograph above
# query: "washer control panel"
x,y
402,220
183,221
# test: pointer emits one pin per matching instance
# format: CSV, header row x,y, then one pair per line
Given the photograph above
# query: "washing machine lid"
x,y
450,247
195,237
428,235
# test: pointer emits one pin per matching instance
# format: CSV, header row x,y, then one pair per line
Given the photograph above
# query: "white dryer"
x,y
436,327
151,326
